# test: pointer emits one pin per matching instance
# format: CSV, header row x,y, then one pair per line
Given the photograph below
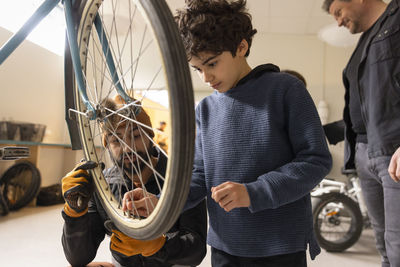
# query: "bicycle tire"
x,y
20,184
3,206
173,62
353,233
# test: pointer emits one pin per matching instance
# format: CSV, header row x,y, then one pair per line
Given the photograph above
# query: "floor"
x,y
31,237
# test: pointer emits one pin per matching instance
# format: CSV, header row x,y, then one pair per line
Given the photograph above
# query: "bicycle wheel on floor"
x,y
3,205
20,184
141,39
337,221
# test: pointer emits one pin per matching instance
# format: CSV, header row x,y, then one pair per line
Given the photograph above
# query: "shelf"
x,y
53,160
28,143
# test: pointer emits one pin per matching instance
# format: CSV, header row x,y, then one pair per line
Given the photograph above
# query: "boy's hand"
x,y
129,246
77,189
139,202
230,195
394,166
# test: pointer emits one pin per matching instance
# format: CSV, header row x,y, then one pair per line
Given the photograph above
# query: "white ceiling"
x,y
298,17
282,16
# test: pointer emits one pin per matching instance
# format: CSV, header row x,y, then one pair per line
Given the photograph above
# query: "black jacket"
x,y
186,240
379,88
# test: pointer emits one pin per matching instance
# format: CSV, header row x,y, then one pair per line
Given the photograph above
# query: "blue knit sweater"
x,y
264,133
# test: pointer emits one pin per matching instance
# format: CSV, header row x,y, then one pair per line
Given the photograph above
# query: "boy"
x,y
260,148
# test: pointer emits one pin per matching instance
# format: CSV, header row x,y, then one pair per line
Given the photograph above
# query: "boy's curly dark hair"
x,y
214,26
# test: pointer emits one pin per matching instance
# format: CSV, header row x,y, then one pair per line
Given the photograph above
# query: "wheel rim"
x,y
336,222
133,46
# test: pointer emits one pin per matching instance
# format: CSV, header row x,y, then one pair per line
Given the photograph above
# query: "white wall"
x,y
32,88
54,162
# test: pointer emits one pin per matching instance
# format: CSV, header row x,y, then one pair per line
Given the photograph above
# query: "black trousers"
x,y
220,258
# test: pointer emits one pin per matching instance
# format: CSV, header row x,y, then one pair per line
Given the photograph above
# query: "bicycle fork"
x,y
44,9
356,190
91,112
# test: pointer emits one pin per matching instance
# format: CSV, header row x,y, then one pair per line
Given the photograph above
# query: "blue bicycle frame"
x,y
45,8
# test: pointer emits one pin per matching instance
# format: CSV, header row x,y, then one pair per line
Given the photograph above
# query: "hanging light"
x,y
338,36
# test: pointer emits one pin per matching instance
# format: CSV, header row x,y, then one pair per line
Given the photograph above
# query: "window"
x,y
49,33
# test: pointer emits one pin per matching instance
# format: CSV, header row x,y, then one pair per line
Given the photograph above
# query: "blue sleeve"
x,y
198,190
311,161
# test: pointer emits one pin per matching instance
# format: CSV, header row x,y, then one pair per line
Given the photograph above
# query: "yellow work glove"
x,y
129,246
77,189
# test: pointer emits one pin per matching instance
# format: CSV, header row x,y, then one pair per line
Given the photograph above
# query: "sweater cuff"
x,y
261,196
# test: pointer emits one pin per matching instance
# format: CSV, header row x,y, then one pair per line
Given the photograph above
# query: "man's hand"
x,y
129,246
230,195
394,166
77,189
139,202
100,264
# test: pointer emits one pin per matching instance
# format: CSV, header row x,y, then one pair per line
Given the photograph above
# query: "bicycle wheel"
x,y
20,184
141,38
3,205
337,220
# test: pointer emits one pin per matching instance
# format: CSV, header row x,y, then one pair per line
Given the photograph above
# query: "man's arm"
x,y
186,242
81,237
394,166
83,228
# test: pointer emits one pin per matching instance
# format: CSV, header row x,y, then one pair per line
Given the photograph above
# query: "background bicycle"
x,y
339,213
20,183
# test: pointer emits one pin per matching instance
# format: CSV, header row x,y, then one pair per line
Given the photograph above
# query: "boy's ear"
x,y
242,48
